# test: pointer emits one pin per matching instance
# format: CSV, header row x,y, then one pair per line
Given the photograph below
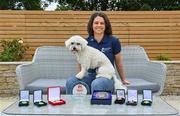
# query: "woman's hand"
x,y
125,82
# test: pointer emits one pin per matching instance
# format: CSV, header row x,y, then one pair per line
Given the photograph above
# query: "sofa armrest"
x,y
25,74
156,72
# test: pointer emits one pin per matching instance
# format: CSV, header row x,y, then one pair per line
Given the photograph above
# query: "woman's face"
x,y
99,25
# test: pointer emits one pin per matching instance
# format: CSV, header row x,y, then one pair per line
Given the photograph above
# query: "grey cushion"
x,y
141,84
44,83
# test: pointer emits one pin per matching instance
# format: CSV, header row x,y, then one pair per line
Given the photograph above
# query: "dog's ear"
x,y
67,43
84,43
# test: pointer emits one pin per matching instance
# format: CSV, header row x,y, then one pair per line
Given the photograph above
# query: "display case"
x,y
38,98
23,98
132,97
54,96
101,97
147,98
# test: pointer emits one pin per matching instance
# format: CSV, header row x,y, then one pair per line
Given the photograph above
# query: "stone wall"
x,y
9,85
172,84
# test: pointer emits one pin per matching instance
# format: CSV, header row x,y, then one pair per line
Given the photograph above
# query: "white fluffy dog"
x,y
91,58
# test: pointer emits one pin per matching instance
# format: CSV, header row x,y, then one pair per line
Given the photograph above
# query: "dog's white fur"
x,y
91,58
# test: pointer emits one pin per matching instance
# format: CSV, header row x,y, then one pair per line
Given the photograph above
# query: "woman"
x,y
100,37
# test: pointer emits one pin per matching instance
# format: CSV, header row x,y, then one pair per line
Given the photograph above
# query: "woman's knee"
x,y
72,82
102,84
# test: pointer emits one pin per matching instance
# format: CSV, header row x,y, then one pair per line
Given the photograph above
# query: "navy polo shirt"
x,y
109,45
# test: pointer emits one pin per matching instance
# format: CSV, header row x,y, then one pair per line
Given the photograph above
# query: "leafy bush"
x,y
163,57
12,50
146,7
64,7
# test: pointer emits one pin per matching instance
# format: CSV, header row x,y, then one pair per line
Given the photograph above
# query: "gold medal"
x,y
23,102
41,103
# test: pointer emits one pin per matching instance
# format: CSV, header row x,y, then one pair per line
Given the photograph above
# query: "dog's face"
x,y
76,44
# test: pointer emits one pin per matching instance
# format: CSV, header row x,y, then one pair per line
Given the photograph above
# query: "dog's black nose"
x,y
74,48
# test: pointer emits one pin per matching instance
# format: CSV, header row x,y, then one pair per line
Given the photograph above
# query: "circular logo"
x,y
79,89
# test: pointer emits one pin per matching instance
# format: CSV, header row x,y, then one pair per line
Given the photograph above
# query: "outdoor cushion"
x,y
44,83
141,84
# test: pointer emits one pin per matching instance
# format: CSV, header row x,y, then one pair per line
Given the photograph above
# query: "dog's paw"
x,y
119,85
104,75
80,75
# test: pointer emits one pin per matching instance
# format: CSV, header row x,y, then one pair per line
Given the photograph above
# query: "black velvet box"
x,y
38,98
101,97
147,98
24,98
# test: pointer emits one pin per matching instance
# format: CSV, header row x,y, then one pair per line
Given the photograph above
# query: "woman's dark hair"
x,y
108,28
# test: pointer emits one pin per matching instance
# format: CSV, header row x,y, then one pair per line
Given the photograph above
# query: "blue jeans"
x,y
91,83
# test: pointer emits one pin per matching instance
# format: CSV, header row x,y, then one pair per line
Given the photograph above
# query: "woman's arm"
x,y
119,66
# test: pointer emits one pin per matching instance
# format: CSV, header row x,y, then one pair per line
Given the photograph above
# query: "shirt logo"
x,y
92,39
105,49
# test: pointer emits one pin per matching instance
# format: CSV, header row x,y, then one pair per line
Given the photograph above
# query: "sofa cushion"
x,y
138,84
141,84
44,83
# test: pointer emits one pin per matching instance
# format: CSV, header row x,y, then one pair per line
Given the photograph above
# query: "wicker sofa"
x,y
52,65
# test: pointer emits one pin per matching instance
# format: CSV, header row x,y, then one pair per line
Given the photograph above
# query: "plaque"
x,y
79,90
132,97
23,98
38,98
54,96
147,98
101,97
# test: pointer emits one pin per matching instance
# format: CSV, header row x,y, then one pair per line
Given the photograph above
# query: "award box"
x,y
132,97
38,98
54,95
23,98
101,97
120,96
147,98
